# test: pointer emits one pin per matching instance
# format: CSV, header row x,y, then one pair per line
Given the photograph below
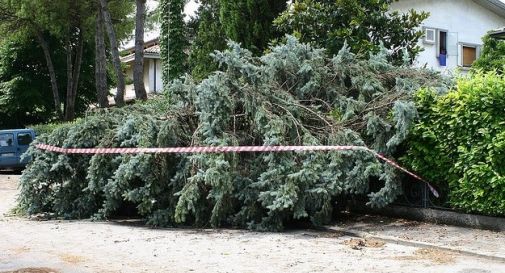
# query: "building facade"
x,y
454,30
153,81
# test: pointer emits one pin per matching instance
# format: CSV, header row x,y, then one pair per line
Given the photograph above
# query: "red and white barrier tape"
x,y
229,149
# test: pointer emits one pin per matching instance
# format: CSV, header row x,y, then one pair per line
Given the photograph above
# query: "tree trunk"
x,y
69,51
100,63
74,78
52,73
76,73
119,98
138,69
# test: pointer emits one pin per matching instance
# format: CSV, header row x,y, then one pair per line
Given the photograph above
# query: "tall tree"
x,y
74,49
363,24
52,71
100,60
111,33
138,69
250,22
173,40
14,21
209,38
63,26
25,87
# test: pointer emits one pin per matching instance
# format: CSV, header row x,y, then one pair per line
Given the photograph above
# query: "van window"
x,y
6,140
24,139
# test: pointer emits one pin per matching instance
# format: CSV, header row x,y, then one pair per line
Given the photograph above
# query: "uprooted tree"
x,y
294,95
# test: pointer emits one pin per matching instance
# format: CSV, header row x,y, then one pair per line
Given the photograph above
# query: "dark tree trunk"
x,y
52,73
69,51
138,69
119,98
75,73
100,63
75,47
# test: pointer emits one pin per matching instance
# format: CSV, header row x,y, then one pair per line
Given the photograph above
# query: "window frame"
x,y
425,36
461,45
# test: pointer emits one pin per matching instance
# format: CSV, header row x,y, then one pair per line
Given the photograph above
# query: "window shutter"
x,y
460,55
452,44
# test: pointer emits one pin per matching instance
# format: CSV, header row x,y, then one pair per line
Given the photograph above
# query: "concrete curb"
x,y
436,216
395,240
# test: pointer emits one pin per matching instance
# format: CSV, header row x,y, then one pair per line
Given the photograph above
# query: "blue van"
x,y
13,143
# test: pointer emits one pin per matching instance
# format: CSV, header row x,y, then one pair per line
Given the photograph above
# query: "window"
x,y
469,55
429,35
24,139
442,42
6,140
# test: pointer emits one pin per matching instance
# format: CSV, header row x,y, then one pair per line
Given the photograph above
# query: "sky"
x,y
189,9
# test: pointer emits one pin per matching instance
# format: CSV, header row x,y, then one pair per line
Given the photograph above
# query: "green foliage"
x,y
173,40
364,24
492,56
459,143
209,38
250,22
48,128
286,97
246,22
25,90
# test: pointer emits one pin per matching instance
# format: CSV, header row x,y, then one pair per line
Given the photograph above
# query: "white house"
x,y
152,69
456,28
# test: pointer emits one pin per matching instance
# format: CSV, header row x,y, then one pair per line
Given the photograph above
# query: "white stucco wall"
x,y
159,78
148,79
464,20
155,81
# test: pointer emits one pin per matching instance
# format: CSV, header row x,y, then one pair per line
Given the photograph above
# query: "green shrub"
x,y
459,143
293,95
48,128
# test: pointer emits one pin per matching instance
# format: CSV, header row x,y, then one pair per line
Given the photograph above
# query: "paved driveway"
x,y
84,246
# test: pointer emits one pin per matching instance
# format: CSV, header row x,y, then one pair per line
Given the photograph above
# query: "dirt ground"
x,y
84,246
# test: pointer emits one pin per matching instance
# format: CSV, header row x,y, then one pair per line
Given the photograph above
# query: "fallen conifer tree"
x,y
293,95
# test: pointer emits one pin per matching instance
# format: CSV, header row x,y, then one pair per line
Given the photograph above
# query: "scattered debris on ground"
x,y
431,254
358,244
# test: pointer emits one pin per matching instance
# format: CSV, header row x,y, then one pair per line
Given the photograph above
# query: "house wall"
x,y
130,89
154,74
464,20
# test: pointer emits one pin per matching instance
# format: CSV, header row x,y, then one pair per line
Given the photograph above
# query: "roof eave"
x,y
130,58
495,6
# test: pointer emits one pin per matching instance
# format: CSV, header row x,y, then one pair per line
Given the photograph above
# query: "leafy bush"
x,y
293,95
460,142
48,128
492,57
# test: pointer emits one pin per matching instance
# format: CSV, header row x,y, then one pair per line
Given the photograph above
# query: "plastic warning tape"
x,y
230,149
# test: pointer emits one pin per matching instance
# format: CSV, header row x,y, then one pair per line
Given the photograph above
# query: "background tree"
x,y
363,24
15,20
138,69
210,37
246,22
173,40
492,56
116,60
100,60
250,22
25,87
62,26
